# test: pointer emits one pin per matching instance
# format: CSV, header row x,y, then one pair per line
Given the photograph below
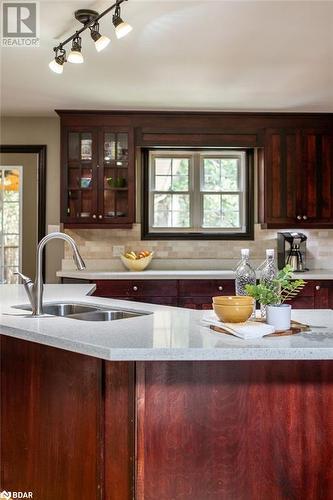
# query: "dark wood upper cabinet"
x,y
97,176
297,179
295,149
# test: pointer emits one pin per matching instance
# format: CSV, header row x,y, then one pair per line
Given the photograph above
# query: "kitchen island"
x,y
158,406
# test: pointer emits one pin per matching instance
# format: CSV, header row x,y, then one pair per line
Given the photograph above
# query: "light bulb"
x,y
56,67
102,42
75,55
122,29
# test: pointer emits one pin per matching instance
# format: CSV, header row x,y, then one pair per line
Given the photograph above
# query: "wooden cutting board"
x,y
295,328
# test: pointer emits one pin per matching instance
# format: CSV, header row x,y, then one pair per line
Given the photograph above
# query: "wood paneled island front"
x,y
246,421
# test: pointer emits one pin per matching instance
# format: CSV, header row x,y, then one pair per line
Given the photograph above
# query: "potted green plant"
x,y
273,296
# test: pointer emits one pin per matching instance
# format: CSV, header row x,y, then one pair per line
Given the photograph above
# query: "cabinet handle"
x,y
94,216
100,216
220,287
135,288
317,287
305,217
299,217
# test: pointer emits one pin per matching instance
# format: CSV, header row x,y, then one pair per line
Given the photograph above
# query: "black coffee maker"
x,y
292,251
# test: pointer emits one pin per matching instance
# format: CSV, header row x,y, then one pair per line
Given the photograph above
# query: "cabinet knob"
x,y
100,216
135,288
299,217
94,216
220,288
317,287
305,217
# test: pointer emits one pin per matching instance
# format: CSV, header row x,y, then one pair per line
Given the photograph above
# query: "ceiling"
x,y
186,55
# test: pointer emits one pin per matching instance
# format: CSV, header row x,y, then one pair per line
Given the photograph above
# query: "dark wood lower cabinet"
x,y
51,422
76,428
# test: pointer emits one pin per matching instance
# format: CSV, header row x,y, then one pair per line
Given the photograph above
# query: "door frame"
x,y
40,150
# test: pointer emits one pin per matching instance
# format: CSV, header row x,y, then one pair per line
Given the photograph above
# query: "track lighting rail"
x,y
90,20
88,24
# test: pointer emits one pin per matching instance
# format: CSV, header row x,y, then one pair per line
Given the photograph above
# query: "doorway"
x,y
22,209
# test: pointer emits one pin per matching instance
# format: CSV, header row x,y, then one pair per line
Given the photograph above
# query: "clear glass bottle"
x,y
267,274
245,275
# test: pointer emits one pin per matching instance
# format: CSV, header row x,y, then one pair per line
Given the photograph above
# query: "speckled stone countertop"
x,y
169,333
151,274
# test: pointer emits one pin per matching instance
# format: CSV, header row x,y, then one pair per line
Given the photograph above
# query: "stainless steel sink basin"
x,y
62,309
105,315
85,312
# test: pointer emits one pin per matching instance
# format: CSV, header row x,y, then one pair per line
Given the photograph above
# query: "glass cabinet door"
x,y
114,194
81,167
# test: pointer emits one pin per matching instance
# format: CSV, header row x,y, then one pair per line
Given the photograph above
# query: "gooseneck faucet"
x,y
35,289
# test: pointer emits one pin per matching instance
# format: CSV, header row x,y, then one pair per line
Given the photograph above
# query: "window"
x,y
197,194
10,223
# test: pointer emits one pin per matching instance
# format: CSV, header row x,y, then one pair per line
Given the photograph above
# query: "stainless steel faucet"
x,y
35,289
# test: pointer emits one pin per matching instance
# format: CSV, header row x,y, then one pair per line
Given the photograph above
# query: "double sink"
x,y
85,312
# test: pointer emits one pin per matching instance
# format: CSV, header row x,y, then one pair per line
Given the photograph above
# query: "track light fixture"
x,y
57,64
90,20
122,28
101,41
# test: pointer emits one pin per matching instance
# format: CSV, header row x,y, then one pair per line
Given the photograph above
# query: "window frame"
x,y
4,168
247,207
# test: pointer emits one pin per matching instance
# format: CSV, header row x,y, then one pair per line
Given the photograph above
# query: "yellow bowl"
x,y
233,300
137,264
234,313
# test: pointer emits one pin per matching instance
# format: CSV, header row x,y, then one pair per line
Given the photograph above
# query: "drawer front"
x,y
195,302
163,301
136,288
302,303
206,288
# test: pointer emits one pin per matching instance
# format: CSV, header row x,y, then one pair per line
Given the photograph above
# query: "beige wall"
x,y
23,130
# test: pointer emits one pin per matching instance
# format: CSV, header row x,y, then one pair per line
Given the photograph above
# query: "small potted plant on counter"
x,y
273,295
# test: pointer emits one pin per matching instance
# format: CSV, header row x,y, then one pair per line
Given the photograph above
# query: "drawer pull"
x,y
299,217
100,216
135,288
305,217
220,288
94,216
317,287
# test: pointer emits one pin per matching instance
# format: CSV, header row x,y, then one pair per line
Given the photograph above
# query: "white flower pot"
x,y
279,316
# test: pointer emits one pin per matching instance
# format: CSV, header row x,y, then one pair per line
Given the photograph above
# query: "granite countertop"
x,y
150,274
169,333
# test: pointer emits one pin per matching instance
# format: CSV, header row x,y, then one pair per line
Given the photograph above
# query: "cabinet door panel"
x,y
206,288
195,302
282,190
116,175
163,301
136,288
323,294
51,432
79,175
317,177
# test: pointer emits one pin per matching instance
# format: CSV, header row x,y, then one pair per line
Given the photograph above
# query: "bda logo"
x,y
5,494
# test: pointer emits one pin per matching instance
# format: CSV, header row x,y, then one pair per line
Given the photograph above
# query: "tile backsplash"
x,y
96,247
